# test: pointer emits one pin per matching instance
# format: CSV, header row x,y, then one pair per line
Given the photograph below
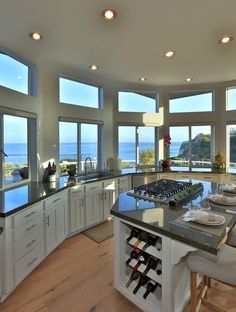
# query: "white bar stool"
x,y
221,268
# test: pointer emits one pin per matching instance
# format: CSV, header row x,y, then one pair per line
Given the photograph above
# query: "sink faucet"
x,y
85,164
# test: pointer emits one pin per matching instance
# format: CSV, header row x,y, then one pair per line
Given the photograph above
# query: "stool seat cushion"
x,y
221,267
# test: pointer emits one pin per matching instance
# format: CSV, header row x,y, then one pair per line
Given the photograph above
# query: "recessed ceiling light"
x,y
142,78
225,39
109,14
169,53
93,67
36,36
188,79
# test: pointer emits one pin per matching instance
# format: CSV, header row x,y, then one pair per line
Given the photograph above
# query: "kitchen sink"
x,y
93,175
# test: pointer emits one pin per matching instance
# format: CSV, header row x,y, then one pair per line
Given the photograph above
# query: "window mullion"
x,y
1,148
79,156
137,145
190,146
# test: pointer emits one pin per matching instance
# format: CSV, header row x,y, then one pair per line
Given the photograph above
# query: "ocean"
x,y
17,152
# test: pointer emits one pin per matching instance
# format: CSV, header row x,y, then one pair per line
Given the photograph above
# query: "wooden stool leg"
x,y
193,301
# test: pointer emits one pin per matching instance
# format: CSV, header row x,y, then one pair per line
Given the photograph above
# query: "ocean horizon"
x,y
17,152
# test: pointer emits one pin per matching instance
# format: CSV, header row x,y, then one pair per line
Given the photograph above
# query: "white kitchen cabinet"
x,y
76,209
1,266
109,197
93,203
124,184
56,209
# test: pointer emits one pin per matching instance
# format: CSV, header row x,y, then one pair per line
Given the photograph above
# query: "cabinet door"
x,y
77,211
93,204
50,229
109,197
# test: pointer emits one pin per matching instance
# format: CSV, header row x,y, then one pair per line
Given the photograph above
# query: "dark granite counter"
x,y
161,218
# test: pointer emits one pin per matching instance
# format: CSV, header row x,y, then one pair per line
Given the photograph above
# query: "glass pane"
x,y
77,93
13,74
231,139
134,102
201,146
146,145
190,103
68,146
179,147
15,165
127,146
231,99
89,144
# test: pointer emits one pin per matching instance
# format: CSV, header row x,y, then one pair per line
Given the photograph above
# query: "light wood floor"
x,y
78,277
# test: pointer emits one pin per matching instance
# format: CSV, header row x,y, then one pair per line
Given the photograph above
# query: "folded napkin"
x,y
204,217
223,200
194,215
230,187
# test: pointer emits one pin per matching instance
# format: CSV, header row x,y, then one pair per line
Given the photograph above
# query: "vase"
x,y
166,164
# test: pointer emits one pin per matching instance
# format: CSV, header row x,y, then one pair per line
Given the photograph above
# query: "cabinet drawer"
x,y
77,190
28,243
55,199
28,228
24,266
93,187
27,215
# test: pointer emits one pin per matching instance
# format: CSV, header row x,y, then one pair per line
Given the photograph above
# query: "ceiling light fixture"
x,y
35,36
169,54
142,78
109,14
225,39
188,79
93,67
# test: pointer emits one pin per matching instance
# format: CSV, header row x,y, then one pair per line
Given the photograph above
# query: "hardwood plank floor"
x,y
78,277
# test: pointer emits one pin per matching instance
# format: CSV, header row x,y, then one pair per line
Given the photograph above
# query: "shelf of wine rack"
x,y
152,274
151,250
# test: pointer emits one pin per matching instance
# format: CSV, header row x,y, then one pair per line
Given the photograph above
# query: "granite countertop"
x,y
162,218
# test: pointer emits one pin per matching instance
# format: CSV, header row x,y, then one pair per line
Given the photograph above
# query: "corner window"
x,y
191,147
137,146
17,75
231,99
139,102
191,102
231,147
77,141
78,93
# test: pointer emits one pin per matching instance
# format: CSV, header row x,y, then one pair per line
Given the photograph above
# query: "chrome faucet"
x,y
85,164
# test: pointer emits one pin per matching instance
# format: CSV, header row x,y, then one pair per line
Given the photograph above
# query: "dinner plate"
x,y
230,188
222,200
211,219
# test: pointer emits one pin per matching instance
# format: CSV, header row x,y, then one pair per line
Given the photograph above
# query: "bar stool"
x,y
221,268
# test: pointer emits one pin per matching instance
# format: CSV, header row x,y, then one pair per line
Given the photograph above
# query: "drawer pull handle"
x,y
31,262
31,243
56,200
29,214
92,188
47,220
30,227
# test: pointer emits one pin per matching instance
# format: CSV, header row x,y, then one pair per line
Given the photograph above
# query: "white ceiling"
x,y
76,36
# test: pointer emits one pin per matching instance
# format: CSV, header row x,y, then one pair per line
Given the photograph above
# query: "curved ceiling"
x,y
133,45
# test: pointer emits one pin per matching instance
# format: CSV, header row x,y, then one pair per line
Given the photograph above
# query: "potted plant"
x,y
71,169
219,163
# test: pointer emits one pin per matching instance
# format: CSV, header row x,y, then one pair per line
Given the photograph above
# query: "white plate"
x,y
223,200
230,188
219,220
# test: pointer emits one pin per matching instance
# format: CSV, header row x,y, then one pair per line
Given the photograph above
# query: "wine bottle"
x,y
142,236
151,286
134,233
142,281
152,264
159,268
135,254
150,241
134,275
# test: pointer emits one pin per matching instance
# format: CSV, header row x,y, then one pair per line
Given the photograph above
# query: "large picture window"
x,y
191,147
231,99
139,102
191,102
231,147
77,141
78,93
137,146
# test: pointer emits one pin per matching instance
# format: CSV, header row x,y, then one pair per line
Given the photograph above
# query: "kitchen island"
x,y
176,239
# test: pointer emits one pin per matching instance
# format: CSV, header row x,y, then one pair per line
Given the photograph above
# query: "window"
x,y
17,75
78,93
137,102
231,99
16,149
191,147
231,147
137,146
77,141
191,102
